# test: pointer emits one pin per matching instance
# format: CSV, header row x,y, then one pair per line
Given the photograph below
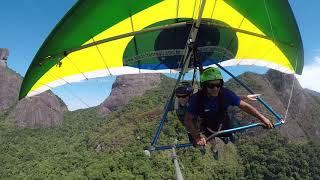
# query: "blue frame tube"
x,y
166,109
252,92
178,146
163,118
186,145
237,129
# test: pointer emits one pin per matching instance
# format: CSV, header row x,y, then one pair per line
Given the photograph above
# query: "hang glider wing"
x,y
98,38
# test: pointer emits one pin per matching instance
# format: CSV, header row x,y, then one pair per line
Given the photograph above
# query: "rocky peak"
x,y
41,111
9,87
304,107
282,83
126,87
4,53
44,110
314,94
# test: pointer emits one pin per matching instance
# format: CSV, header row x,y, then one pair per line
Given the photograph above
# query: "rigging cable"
x,y
292,87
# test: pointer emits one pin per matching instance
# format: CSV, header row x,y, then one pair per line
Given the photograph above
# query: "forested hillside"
x,y
87,146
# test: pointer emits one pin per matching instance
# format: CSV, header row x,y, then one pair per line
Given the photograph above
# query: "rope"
x,y
72,93
48,105
291,93
214,7
76,67
271,28
102,58
285,116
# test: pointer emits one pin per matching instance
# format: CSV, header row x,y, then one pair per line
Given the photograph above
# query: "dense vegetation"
x,y
271,156
87,146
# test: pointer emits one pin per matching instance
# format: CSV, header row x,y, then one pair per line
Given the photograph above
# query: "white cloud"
x,y
310,77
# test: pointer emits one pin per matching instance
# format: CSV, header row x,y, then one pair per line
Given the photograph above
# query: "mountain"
x,y
314,94
125,88
9,87
43,110
304,107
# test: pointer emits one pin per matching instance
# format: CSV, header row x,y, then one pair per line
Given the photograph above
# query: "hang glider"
x,y
98,38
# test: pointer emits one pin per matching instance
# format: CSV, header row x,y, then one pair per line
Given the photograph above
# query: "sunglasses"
x,y
182,96
212,85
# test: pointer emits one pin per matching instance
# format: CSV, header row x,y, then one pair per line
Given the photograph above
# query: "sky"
x,y
26,23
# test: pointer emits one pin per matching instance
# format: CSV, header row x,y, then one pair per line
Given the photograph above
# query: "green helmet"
x,y
210,74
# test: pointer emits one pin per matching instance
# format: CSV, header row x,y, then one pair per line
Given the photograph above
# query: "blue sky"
x,y
26,23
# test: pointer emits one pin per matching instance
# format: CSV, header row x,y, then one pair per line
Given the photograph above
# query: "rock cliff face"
x,y
304,108
303,116
125,88
9,88
40,111
44,110
314,94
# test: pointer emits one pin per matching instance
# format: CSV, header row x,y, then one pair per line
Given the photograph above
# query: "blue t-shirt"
x,y
211,104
